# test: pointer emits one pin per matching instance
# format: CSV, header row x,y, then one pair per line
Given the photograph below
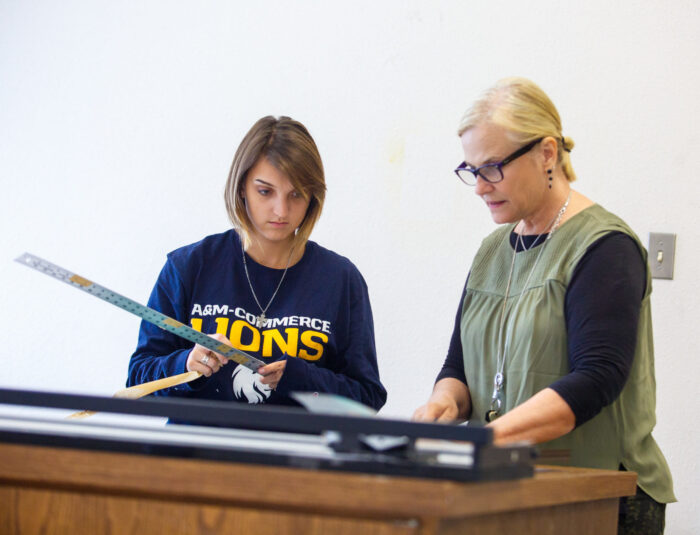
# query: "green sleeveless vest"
x,y
537,353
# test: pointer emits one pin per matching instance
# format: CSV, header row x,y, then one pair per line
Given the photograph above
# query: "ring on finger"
x,y
204,359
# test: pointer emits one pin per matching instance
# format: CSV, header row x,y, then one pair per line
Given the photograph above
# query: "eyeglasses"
x,y
491,172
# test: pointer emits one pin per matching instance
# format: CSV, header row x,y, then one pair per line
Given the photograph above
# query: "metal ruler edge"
x,y
148,314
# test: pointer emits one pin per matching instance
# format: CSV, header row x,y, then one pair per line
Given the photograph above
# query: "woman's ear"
x,y
550,152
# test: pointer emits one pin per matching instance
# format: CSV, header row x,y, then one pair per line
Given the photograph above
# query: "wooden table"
x,y
49,491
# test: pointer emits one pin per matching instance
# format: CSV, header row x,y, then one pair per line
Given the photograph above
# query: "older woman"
x,y
553,338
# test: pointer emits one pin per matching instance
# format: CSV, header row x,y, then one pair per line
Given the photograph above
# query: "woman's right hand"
x,y
206,361
440,408
449,401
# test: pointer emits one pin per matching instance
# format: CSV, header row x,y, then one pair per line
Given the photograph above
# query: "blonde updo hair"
x,y
522,108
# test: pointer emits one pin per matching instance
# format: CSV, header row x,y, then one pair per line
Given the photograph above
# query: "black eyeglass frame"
x,y
476,172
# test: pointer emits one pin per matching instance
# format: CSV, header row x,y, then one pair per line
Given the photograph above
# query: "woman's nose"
x,y
281,207
482,186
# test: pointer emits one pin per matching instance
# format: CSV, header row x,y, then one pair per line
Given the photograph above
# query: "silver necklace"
x,y
499,377
261,319
532,245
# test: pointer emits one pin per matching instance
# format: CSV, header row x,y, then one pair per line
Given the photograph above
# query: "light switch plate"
x,y
662,253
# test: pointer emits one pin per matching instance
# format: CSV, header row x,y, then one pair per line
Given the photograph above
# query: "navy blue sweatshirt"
x,y
320,321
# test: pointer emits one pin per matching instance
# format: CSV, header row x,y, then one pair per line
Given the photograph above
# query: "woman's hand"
x,y
206,361
441,408
449,402
272,373
543,417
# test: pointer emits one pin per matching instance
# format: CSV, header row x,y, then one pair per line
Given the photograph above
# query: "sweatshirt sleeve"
x,y
353,372
160,353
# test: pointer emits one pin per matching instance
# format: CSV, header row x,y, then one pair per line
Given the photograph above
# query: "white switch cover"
x,y
662,252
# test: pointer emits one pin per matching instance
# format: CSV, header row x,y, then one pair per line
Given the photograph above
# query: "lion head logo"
x,y
247,385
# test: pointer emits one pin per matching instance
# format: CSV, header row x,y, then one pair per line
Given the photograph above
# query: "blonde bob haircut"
x,y
522,108
288,146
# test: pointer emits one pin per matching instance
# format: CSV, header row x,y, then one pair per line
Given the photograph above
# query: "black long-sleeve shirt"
x,y
602,305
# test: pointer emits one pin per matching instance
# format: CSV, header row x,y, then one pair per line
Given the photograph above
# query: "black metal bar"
x,y
262,417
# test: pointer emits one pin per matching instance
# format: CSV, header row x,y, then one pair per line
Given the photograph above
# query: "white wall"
x,y
118,121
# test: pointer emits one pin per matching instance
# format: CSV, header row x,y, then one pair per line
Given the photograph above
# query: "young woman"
x,y
265,289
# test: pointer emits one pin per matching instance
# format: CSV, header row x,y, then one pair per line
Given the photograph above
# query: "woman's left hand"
x,y
543,417
272,373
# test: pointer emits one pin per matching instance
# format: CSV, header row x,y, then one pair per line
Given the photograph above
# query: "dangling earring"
x,y
549,176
